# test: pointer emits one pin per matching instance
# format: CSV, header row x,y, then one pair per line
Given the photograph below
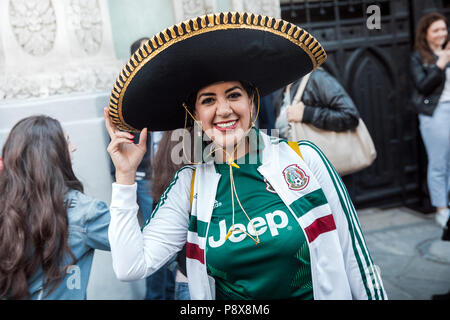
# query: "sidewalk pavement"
x,y
406,246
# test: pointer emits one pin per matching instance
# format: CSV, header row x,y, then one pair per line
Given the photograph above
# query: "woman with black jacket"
x,y
324,104
431,98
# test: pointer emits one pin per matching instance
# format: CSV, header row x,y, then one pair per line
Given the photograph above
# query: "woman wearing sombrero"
x,y
280,227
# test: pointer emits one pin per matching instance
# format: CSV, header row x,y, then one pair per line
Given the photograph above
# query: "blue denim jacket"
x,y
88,230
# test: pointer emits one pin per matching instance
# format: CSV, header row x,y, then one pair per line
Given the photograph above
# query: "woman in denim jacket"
x,y
48,227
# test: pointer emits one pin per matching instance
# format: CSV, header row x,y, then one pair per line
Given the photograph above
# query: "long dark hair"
x,y
37,174
421,43
137,44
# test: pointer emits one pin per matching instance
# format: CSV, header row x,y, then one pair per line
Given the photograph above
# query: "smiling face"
x,y
224,109
437,34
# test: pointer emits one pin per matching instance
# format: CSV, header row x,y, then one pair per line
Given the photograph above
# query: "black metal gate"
x,y
373,65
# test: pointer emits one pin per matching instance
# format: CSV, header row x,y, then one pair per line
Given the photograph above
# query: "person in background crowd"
x,y
268,219
163,171
143,179
48,227
266,119
430,72
325,104
1,163
160,285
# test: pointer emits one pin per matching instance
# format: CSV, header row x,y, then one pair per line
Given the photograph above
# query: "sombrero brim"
x,y
267,52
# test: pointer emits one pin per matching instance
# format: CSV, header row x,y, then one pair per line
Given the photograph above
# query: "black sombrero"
x,y
266,52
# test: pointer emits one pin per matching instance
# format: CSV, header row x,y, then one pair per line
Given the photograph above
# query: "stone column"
x,y
57,57
55,47
187,9
269,8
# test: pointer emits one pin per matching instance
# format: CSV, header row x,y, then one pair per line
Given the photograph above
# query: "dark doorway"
x,y
373,66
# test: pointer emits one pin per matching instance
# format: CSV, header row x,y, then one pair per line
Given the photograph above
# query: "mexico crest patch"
x,y
295,177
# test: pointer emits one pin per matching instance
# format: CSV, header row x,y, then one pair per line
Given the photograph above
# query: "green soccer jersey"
x,y
276,268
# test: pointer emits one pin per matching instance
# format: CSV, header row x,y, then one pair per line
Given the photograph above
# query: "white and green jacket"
x,y
341,266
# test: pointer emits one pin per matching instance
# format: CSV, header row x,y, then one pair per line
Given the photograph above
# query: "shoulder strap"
x,y
294,146
301,89
192,189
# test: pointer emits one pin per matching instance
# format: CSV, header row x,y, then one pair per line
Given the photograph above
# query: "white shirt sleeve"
x,y
138,253
363,277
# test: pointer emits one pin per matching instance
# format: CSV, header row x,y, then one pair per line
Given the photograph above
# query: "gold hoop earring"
x,y
252,122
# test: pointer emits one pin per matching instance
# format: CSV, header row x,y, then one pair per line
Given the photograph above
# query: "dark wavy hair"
x,y
421,43
164,168
37,174
137,44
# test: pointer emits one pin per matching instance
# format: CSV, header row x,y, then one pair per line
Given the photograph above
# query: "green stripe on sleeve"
x,y
309,201
163,198
198,226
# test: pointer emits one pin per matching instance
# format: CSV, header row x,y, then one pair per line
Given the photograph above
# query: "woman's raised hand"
x,y
443,57
125,155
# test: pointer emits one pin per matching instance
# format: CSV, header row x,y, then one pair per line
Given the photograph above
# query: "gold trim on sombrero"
x,y
191,28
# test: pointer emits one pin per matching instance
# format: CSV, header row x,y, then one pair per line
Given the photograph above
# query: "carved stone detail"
x,y
86,21
71,80
269,8
33,23
187,9
67,48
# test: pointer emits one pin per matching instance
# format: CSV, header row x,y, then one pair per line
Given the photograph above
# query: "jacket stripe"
x,y
193,251
319,226
354,227
374,276
163,198
309,201
351,225
198,226
376,280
